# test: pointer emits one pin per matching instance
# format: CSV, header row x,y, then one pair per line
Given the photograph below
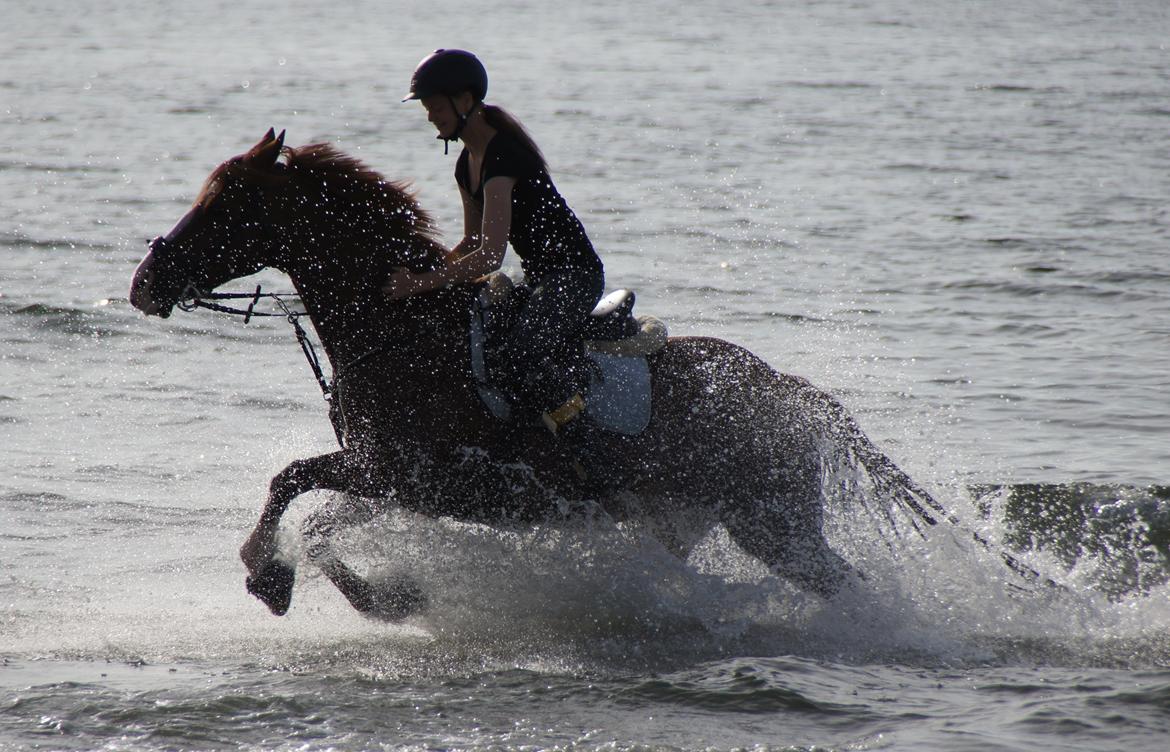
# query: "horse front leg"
x,y
270,579
389,599
366,478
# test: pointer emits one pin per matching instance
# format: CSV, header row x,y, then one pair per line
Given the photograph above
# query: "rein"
x,y
193,298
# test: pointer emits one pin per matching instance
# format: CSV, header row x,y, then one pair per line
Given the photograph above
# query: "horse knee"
x,y
291,481
334,472
321,527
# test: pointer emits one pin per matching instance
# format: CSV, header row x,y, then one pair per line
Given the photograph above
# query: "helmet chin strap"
x,y
459,128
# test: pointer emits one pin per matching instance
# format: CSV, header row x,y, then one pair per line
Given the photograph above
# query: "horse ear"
x,y
266,151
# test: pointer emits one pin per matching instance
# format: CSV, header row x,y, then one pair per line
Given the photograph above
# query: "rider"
x,y
508,197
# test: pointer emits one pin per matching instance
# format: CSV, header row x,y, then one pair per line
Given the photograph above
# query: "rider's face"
x,y
441,114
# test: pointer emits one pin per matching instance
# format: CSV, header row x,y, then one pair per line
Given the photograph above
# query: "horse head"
x,y
226,234
318,214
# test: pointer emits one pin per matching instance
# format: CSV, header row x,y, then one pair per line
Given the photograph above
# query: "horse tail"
x,y
892,482
889,480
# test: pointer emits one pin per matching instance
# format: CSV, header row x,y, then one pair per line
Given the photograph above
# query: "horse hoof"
x,y
273,585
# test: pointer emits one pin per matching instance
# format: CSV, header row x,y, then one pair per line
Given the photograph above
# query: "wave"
x,y
87,322
65,169
741,686
829,85
10,240
1048,286
1019,89
1118,535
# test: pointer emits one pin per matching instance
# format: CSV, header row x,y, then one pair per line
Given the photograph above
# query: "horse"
x,y
730,441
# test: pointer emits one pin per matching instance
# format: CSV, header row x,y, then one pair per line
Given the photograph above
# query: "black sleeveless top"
x,y
545,232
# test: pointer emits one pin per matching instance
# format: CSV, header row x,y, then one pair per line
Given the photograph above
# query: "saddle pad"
x,y
620,399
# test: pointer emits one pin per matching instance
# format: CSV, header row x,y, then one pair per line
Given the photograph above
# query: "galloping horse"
x,y
730,441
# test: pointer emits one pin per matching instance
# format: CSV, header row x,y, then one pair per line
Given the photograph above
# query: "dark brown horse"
x,y
730,441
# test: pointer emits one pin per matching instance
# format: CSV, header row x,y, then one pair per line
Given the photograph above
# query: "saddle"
x,y
615,343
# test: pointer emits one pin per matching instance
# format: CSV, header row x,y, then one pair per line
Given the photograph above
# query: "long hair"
x,y
502,120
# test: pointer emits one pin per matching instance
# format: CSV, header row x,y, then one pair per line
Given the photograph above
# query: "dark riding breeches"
x,y
539,362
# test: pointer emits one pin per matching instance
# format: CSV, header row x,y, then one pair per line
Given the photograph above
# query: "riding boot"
x,y
580,436
567,413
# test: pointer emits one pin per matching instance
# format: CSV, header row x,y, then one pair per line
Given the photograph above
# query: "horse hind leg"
x,y
679,528
784,531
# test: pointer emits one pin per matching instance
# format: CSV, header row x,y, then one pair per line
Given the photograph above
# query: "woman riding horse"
x,y
730,441
508,197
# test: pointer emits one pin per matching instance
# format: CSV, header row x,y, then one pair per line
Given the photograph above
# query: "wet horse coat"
x,y
730,440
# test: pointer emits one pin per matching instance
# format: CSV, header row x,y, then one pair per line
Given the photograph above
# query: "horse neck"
x,y
354,319
419,345
402,368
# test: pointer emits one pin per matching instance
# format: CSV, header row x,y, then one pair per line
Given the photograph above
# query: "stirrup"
x,y
573,407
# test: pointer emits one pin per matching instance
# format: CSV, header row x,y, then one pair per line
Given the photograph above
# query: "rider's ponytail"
x,y
502,120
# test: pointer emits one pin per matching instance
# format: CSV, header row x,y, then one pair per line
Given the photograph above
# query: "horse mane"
x,y
390,203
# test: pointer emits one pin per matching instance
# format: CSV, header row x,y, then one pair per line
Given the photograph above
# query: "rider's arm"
x,y
472,228
484,259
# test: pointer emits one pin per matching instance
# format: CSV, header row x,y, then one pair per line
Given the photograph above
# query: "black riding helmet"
x,y
450,72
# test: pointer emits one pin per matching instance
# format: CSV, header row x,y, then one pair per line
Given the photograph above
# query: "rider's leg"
x,y
538,355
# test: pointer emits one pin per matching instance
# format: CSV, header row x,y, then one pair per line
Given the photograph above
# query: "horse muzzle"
x,y
144,283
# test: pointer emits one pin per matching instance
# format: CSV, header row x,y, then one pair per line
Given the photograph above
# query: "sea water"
x,y
951,215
